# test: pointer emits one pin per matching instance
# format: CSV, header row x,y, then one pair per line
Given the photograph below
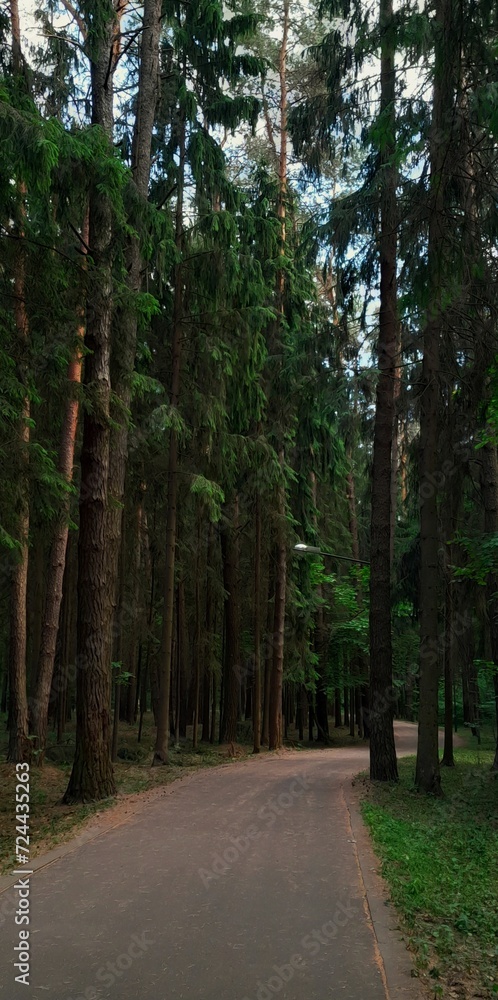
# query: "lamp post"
x,y
317,551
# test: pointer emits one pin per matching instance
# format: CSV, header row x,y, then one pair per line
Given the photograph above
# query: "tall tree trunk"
x,y
395,458
209,634
452,505
256,700
66,639
125,325
321,699
231,663
162,736
427,772
265,725
337,708
276,680
383,765
489,489
198,648
277,670
57,559
34,602
135,615
92,775
182,662
19,748
346,705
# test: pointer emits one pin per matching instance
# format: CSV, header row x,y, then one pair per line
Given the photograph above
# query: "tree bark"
x,y
321,699
162,736
427,772
256,700
276,679
277,669
198,648
452,504
489,489
135,614
19,748
231,663
209,635
57,559
383,764
92,775
125,336
265,728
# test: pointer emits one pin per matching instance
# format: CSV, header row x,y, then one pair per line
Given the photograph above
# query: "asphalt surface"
x,y
243,883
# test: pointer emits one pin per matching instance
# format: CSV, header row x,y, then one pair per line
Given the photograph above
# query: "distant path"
x,y
244,883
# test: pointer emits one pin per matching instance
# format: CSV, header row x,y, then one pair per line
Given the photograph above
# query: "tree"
x,y
19,747
53,596
427,774
383,765
92,774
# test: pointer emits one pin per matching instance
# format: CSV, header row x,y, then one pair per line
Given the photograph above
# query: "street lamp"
x,y
317,551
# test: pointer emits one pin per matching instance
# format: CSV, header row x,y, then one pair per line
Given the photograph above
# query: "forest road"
x,y
245,882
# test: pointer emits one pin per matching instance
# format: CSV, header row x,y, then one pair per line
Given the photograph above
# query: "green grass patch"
x,y
440,859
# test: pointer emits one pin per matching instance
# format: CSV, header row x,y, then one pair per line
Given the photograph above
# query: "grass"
x,y
440,860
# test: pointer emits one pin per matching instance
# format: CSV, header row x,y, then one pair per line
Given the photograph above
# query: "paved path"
x,y
246,882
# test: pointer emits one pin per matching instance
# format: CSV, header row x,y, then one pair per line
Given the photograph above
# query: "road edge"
x,y
395,962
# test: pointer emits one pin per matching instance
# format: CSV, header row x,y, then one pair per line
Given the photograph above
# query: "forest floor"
x,y
52,823
440,860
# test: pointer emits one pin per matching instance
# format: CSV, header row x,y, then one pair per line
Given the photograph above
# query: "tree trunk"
x,y
489,489
337,708
427,772
277,670
321,700
383,764
92,774
231,663
161,747
265,730
303,711
66,644
125,325
57,559
448,759
135,615
183,660
395,458
209,634
198,650
19,748
276,678
256,700
34,603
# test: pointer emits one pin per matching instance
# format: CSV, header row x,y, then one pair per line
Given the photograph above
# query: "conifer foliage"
x,y
248,299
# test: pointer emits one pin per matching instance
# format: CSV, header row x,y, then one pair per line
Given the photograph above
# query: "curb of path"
x,y
395,965
397,968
